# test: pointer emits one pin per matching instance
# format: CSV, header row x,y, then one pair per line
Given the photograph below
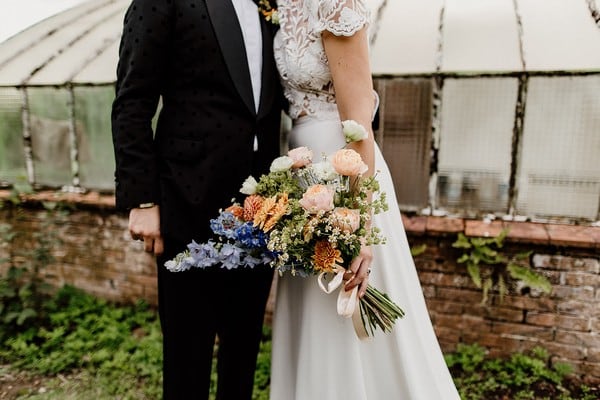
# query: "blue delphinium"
x,y
250,236
225,225
204,254
230,256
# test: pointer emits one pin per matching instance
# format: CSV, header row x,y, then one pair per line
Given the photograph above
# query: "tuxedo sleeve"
x,y
140,71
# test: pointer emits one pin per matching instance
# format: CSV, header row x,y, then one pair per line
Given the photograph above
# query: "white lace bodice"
x,y
299,52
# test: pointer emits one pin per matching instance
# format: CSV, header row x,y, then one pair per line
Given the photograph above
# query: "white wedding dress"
x,y
316,354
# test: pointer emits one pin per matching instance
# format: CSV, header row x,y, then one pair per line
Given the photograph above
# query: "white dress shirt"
x,y
249,18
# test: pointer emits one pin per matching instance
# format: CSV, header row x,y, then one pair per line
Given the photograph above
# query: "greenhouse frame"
x,y
489,108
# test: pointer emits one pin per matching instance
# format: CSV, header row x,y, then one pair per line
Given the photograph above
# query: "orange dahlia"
x,y
271,211
263,213
326,257
252,205
236,210
278,211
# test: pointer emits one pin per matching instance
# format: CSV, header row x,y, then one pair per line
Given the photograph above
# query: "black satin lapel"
x,y
231,41
270,76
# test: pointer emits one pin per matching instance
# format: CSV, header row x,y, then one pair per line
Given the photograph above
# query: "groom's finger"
x,y
148,244
159,246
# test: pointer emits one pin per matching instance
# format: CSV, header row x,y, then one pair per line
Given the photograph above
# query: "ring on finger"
x,y
368,270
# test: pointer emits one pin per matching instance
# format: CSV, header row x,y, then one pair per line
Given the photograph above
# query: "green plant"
x,y
120,346
521,376
23,289
418,250
489,268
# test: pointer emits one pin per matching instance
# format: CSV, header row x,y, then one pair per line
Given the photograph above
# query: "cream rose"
x,y
302,156
353,131
249,186
282,163
317,198
346,219
348,162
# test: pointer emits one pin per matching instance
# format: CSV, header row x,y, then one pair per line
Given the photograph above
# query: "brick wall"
x,y
97,255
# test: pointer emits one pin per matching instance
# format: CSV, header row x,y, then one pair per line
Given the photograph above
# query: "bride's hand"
x,y
358,272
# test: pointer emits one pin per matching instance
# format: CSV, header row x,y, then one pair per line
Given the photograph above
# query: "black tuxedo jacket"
x,y
191,55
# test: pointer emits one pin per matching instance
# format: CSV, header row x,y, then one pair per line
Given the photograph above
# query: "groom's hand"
x,y
144,224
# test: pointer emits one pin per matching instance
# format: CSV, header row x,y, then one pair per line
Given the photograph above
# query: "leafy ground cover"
x,y
90,349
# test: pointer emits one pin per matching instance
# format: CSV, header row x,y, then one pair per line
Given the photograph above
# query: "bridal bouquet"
x,y
304,218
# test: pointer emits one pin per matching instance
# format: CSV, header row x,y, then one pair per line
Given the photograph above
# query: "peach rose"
x,y
317,198
348,162
346,219
302,156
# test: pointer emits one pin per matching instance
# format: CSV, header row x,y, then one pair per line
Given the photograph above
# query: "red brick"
x,y
581,339
449,321
508,345
527,232
541,319
520,331
505,314
446,307
483,229
576,307
568,235
585,293
581,279
444,225
414,225
570,352
467,296
589,265
543,303
581,324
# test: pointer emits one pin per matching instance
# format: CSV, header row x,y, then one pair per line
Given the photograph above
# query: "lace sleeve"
x,y
342,17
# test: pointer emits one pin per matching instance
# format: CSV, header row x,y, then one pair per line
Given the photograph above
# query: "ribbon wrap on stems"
x,y
347,301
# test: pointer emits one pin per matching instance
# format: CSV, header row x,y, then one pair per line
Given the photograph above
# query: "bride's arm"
x,y
348,58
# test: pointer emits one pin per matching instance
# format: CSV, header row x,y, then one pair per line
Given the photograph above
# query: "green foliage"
x,y
120,346
22,288
418,250
521,376
489,268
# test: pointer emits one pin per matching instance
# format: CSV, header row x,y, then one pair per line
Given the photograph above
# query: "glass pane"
x,y
477,118
12,155
96,157
50,137
405,122
559,173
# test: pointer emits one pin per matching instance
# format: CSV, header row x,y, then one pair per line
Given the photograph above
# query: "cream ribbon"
x,y
347,302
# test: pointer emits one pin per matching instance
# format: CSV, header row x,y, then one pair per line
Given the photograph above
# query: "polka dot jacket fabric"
x,y
190,55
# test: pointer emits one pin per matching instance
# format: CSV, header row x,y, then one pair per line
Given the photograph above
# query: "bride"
x,y
321,51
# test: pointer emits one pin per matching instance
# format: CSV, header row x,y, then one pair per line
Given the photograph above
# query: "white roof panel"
x,y
70,43
480,36
80,44
103,69
559,35
407,37
83,52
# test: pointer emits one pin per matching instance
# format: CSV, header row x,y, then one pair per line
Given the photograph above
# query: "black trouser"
x,y
198,304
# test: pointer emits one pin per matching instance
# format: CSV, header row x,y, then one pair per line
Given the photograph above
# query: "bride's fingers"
x,y
361,276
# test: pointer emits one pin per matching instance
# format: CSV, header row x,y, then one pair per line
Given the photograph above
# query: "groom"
x,y
210,62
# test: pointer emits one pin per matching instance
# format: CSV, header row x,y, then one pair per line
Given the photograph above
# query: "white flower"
x,y
354,131
275,17
324,171
249,186
282,163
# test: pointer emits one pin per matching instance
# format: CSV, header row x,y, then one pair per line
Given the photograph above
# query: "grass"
x,y
91,349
